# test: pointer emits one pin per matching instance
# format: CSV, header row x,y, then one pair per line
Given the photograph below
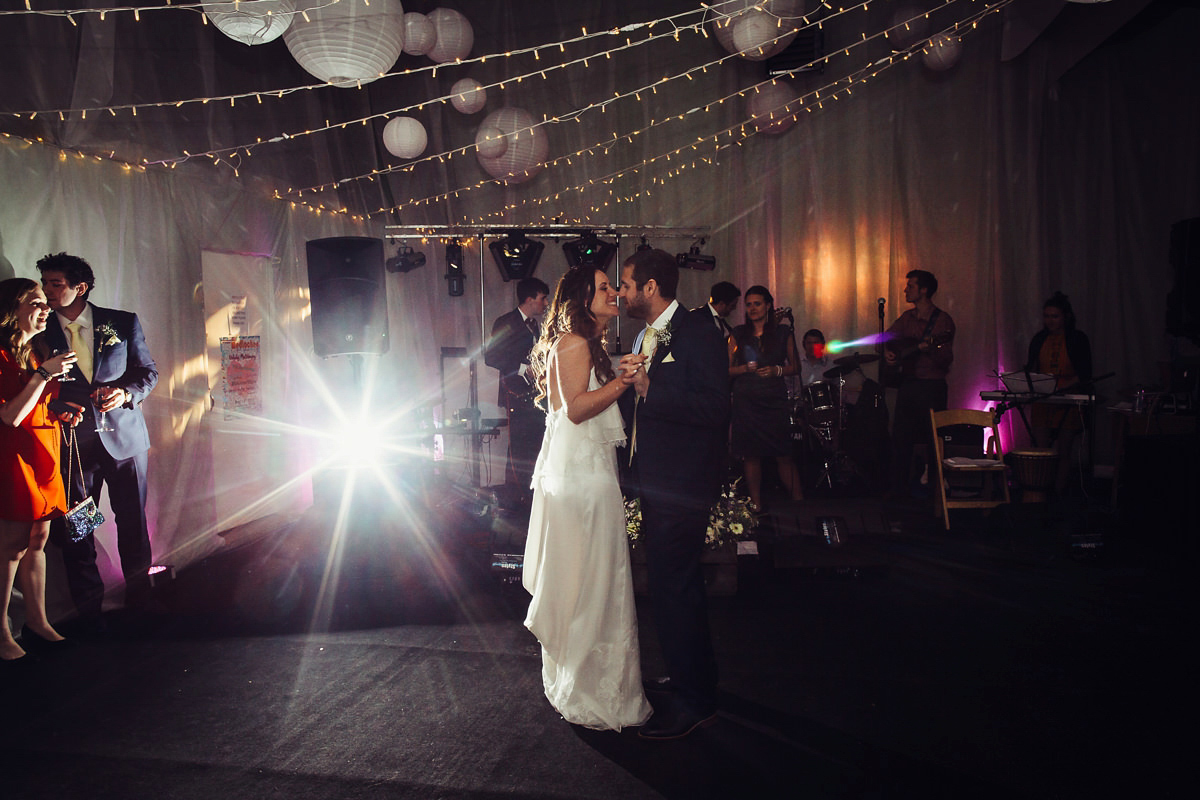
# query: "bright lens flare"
x,y
876,338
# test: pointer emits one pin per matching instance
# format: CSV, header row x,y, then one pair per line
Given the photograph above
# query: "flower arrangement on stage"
x,y
731,519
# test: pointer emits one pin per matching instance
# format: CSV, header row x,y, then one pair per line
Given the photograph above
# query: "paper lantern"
x,y
773,108
251,21
490,142
754,35
910,25
525,146
405,137
468,95
767,20
349,42
942,52
419,34
455,36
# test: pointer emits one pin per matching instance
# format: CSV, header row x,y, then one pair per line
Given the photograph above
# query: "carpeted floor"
x,y
995,661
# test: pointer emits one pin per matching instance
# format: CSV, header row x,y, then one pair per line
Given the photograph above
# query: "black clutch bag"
x,y
82,518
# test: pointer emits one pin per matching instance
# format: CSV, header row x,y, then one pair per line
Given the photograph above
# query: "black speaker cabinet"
x,y
348,296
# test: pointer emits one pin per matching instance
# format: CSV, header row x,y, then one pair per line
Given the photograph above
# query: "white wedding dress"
x,y
577,569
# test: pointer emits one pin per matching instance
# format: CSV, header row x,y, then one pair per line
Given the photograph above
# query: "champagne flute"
x,y
66,376
102,425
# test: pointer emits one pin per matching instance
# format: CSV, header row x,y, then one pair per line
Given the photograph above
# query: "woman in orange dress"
x,y
31,486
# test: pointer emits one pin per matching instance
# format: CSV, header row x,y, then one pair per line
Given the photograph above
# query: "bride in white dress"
x,y
576,554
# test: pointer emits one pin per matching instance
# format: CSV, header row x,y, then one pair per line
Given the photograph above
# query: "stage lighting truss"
x,y
516,256
405,260
694,259
589,251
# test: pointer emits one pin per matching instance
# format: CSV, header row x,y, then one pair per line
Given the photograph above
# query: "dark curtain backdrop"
x,y
1061,164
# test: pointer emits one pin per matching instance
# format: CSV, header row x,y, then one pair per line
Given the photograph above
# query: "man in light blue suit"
x,y
113,375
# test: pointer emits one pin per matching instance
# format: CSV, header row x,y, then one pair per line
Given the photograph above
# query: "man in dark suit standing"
x,y
722,301
678,419
513,336
113,375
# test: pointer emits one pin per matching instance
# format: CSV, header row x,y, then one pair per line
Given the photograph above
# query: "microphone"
x,y
882,303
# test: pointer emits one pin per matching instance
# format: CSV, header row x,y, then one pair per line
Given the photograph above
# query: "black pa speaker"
x,y
348,296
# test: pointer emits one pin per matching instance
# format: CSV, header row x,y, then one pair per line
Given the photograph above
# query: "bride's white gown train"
x,y
577,569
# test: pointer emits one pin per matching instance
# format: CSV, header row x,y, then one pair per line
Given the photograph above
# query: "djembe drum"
x,y
1034,472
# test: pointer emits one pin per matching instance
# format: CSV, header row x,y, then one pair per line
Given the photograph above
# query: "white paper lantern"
x,y
525,146
251,21
405,137
770,19
773,108
419,34
468,95
349,42
942,52
754,35
490,142
910,24
455,36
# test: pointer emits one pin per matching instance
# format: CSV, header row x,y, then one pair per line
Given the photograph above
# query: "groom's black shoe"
x,y
659,685
667,725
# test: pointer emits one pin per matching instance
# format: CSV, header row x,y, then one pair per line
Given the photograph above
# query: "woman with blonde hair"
x,y
31,486
576,555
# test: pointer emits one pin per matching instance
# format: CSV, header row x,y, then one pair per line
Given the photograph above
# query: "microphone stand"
x,y
879,344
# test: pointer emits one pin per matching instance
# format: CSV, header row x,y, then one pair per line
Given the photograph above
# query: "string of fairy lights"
x,y
730,136
809,102
576,114
737,134
675,21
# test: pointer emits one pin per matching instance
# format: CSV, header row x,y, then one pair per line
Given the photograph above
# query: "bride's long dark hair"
x,y
571,312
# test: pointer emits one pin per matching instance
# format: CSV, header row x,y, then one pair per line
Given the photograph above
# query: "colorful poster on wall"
x,y
240,375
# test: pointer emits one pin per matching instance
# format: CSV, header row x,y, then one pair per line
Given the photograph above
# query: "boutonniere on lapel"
x,y
106,335
663,338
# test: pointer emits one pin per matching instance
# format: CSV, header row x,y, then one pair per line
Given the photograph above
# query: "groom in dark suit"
x,y
678,420
113,375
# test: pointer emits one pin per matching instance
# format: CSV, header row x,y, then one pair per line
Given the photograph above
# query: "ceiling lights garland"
x,y
259,96
743,130
787,111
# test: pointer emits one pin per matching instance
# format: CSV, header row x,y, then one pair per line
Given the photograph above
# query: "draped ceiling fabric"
x,y
1056,154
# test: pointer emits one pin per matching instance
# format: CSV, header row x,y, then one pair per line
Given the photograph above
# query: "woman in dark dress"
x,y
761,353
1060,350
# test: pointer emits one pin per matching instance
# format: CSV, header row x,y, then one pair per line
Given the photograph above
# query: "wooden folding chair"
x,y
992,464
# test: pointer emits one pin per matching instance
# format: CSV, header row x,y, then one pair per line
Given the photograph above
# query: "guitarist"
x,y
917,358
513,336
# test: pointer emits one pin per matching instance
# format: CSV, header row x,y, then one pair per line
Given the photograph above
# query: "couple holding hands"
x,y
577,569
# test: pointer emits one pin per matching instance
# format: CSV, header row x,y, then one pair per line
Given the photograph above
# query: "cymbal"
x,y
837,372
854,359
848,364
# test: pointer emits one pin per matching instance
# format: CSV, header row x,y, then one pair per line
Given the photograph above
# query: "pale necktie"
x,y
649,343
83,351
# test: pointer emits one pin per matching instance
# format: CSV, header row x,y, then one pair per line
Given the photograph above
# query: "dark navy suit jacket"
x,y
124,364
682,423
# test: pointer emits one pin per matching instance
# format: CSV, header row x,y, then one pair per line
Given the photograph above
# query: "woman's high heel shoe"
x,y
34,643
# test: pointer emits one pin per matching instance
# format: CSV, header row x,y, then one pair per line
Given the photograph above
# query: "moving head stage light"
x,y
588,251
516,256
694,259
405,260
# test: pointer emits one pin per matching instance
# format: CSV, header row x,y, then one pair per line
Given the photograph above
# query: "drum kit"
x,y
820,415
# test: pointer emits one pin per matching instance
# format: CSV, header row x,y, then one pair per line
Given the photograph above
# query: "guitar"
x,y
909,350
517,391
